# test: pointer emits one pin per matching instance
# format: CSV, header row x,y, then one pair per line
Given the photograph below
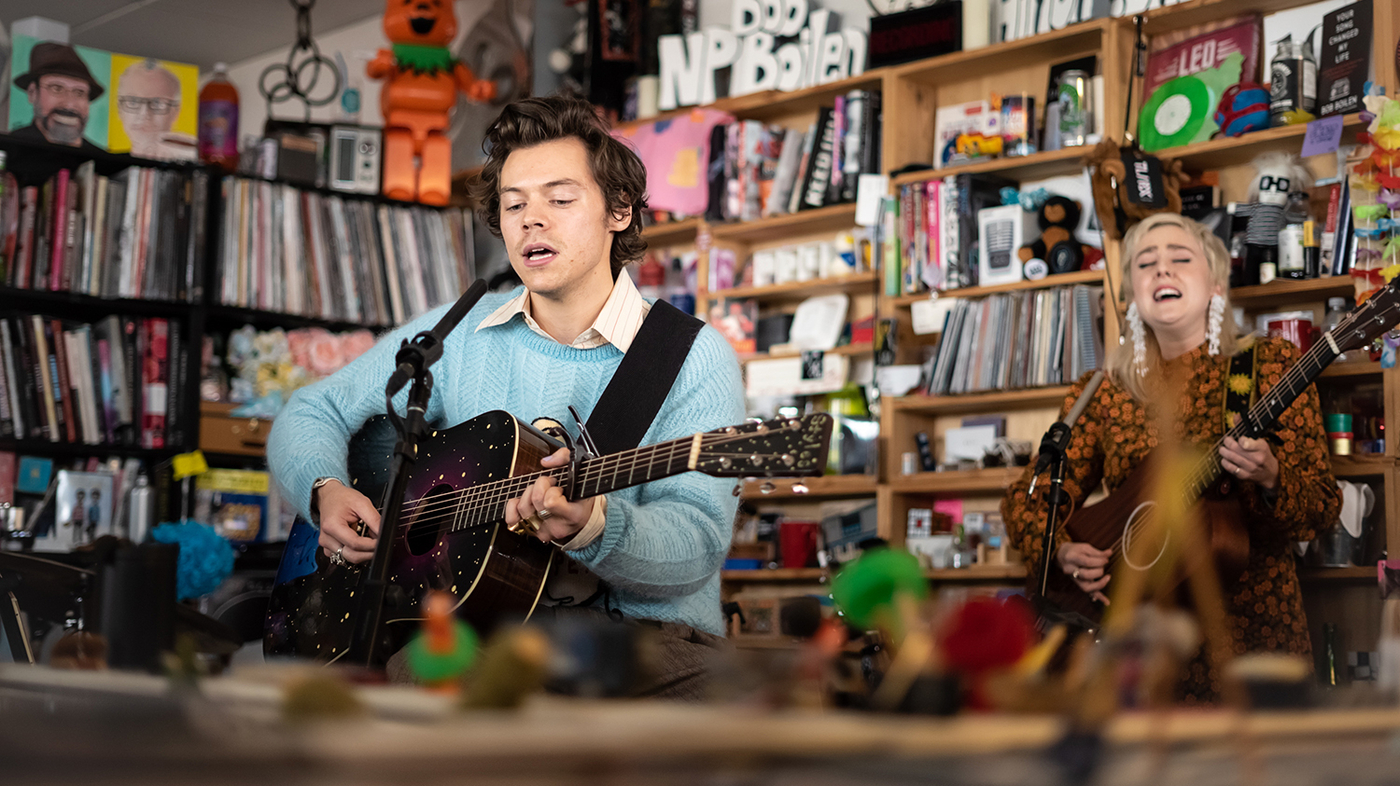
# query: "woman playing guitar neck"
x,y
1180,327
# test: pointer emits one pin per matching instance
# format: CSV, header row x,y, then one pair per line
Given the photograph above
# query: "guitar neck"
x,y
1266,411
601,475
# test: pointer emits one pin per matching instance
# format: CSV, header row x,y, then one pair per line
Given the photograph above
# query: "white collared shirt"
x,y
617,324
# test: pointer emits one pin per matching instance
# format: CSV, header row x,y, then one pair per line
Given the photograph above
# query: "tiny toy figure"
x,y
1276,176
421,80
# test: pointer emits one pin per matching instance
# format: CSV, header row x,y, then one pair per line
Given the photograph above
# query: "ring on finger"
x,y
338,558
543,514
1076,574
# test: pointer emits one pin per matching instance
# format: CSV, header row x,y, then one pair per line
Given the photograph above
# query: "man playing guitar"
x,y
566,197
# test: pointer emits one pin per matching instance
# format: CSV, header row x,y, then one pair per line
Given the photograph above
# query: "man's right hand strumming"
x,y
341,510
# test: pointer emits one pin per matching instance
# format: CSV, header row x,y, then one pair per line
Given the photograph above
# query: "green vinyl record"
x,y
1174,114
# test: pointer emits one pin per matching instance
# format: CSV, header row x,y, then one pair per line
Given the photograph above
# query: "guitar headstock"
x,y
1379,313
783,447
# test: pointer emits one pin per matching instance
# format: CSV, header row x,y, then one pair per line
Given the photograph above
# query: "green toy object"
x,y
446,647
866,590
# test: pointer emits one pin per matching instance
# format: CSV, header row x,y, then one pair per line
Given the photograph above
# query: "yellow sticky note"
x,y
187,464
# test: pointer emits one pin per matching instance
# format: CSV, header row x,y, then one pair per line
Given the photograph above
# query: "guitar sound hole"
x,y
431,513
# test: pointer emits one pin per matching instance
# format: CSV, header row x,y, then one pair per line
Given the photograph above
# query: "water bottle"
x,y
142,506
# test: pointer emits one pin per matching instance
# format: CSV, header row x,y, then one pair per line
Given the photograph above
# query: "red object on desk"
x,y
797,543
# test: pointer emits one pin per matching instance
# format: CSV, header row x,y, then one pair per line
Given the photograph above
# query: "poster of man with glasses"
x,y
59,93
157,108
73,95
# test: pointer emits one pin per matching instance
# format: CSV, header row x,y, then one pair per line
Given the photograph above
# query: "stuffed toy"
x,y
1117,210
421,81
1058,216
1276,175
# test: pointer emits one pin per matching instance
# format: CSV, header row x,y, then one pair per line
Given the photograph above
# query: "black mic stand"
x,y
1052,453
412,362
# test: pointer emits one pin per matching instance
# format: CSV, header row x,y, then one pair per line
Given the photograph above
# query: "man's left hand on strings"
x,y
1249,459
560,518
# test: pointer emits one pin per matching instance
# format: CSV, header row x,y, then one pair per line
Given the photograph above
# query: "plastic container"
x,y
1336,312
218,121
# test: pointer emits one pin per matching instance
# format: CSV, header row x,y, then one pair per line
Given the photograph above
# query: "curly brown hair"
x,y
617,169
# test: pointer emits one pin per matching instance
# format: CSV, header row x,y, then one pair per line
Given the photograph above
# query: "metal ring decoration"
x,y
337,558
296,82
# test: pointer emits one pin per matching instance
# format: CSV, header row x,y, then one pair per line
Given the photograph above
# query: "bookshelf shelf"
x,y
1013,570
264,320
973,481
847,349
1283,291
1183,15
1227,151
1361,465
826,487
38,447
1349,574
71,305
775,575
1064,279
1006,56
1353,370
800,289
1029,398
832,217
672,233
773,104
1032,167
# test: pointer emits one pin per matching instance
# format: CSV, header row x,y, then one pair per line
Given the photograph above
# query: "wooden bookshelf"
x,y
799,290
1036,166
1349,574
1063,279
1047,47
766,230
825,487
672,233
1361,465
1228,151
956,483
1282,291
1354,371
1014,570
853,350
812,575
1029,398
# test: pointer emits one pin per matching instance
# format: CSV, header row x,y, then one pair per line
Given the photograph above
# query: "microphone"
x,y
1056,440
423,350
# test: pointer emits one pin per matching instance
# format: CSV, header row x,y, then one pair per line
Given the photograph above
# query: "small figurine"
x,y
1276,176
421,80
442,653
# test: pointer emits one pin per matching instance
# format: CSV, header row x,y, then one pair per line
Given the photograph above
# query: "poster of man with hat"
x,y
59,93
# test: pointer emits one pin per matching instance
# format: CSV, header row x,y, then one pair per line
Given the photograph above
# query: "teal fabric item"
x,y
664,542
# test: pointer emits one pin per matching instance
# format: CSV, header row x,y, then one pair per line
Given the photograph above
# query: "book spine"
x,y
42,373
177,353
63,398
109,399
155,363
23,277
14,388
59,229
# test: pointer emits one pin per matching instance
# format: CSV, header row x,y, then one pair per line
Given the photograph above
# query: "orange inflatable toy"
x,y
421,80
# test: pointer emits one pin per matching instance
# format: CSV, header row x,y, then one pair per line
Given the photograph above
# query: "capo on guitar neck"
x,y
580,450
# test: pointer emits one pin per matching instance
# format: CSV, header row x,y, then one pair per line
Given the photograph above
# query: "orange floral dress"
x,y
1117,432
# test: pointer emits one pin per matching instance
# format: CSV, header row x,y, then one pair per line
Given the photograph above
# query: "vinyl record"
x,y
1175,113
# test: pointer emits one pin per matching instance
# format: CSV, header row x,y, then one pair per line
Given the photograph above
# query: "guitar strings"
x,y
459,504
1208,469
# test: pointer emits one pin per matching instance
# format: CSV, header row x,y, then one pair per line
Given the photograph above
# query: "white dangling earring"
x,y
1139,336
1217,315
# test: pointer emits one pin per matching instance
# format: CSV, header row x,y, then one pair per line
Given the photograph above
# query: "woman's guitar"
x,y
453,536
1115,521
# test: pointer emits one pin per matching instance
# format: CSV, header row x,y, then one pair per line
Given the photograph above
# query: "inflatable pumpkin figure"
x,y
421,80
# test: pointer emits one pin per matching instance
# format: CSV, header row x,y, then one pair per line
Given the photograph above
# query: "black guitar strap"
x,y
1239,387
639,386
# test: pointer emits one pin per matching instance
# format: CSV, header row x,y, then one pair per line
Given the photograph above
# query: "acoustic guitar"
x,y
1114,522
453,537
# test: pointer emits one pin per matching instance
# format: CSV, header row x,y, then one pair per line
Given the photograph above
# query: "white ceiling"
x,y
201,32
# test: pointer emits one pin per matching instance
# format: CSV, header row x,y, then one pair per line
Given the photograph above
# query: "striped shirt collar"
x,y
616,324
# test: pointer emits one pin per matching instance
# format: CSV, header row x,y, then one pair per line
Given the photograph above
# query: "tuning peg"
x,y
800,488
767,488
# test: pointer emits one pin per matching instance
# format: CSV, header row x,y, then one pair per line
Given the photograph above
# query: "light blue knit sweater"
x,y
664,542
